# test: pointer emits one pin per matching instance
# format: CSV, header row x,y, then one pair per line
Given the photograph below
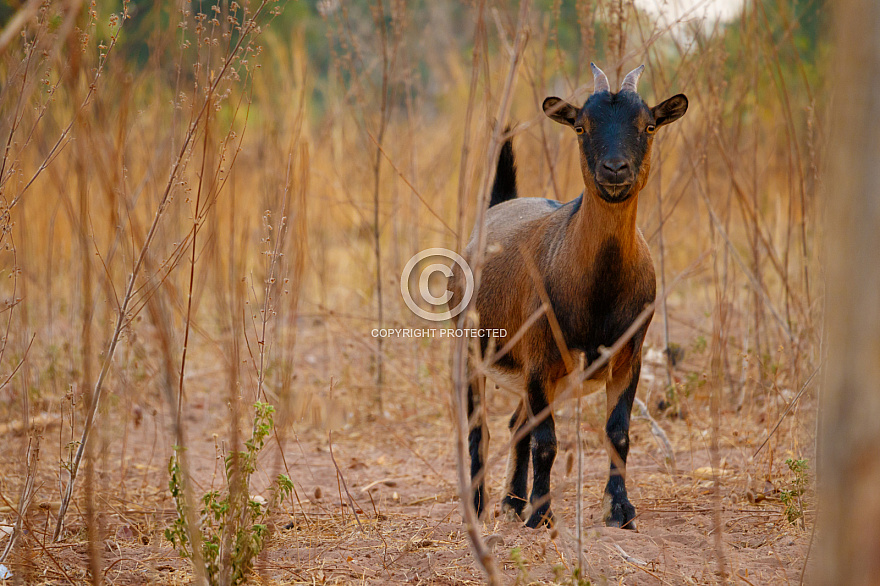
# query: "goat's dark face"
x,y
615,133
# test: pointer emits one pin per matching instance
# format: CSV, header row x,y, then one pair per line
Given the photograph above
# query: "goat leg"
x,y
617,510
478,444
516,485
543,444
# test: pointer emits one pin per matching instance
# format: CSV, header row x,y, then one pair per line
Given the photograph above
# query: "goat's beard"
x,y
615,193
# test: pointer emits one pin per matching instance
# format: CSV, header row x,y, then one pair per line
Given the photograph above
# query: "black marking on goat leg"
x,y
543,455
478,434
618,511
517,467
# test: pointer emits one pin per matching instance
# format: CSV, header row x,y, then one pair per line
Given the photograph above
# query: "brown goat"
x,y
596,271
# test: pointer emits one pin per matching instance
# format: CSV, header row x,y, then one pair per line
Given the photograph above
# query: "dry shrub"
x,y
288,190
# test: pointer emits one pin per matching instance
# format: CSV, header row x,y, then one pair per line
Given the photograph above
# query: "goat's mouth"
x,y
614,192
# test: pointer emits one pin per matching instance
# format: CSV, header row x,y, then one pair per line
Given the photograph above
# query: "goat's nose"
x,y
616,165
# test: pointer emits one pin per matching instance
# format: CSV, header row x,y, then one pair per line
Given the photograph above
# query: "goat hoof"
x,y
511,516
510,511
541,518
620,514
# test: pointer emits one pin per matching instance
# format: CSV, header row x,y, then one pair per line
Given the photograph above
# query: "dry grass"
x,y
273,187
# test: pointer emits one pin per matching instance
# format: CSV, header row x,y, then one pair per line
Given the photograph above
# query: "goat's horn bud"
x,y
600,81
631,81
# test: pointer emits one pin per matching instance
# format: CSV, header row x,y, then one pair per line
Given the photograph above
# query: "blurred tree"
x,y
849,461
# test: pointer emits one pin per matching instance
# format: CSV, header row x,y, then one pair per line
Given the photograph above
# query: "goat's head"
x,y
615,133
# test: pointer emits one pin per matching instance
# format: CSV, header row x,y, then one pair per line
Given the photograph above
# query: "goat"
x,y
596,272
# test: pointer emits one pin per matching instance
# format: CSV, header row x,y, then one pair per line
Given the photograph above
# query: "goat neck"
x,y
596,222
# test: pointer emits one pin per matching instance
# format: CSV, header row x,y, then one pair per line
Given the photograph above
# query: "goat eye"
x,y
579,129
650,129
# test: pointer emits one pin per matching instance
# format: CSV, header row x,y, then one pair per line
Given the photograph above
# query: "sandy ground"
x,y
406,525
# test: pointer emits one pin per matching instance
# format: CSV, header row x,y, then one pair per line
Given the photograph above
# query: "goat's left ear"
x,y
560,111
670,110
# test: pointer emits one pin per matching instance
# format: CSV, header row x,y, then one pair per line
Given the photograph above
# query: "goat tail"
x,y
504,187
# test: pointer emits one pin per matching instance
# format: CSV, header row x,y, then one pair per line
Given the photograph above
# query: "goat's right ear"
x,y
560,111
670,110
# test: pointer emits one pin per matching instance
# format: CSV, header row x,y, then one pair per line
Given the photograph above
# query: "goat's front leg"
x,y
478,445
621,391
543,453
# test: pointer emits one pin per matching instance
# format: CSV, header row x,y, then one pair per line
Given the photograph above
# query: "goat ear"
x,y
560,111
670,110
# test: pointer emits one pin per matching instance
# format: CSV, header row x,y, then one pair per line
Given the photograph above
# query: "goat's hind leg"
x,y
517,467
478,443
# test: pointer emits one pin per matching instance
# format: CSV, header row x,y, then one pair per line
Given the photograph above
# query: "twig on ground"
x,y
27,494
354,507
787,409
628,557
659,435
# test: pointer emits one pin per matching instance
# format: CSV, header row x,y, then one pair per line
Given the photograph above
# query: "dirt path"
x,y
406,527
